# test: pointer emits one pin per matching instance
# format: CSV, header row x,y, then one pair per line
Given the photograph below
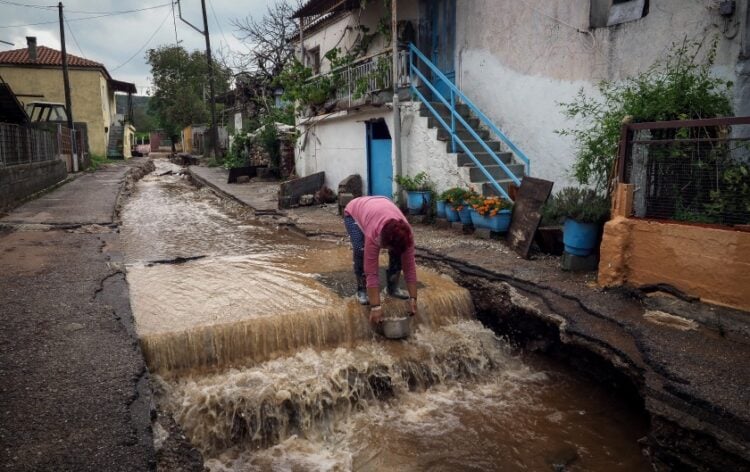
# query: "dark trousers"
x,y
358,253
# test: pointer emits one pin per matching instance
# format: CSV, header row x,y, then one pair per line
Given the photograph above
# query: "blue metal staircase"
x,y
468,132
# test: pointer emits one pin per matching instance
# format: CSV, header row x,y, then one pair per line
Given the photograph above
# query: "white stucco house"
x,y
479,82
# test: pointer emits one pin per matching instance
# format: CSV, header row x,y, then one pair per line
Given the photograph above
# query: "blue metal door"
x,y
379,162
442,15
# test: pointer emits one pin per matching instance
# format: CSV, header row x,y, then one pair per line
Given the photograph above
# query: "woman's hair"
x,y
397,236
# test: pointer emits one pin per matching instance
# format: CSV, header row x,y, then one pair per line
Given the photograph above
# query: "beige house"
x,y
35,73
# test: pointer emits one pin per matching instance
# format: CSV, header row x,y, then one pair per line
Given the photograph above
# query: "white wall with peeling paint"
x,y
337,145
422,151
518,60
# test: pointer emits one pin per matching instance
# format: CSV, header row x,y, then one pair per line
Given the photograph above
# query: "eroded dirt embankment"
x,y
688,381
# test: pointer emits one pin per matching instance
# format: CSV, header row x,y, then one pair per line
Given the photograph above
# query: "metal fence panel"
x,y
24,145
697,172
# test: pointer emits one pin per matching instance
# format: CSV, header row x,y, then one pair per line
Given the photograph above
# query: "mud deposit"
x,y
265,362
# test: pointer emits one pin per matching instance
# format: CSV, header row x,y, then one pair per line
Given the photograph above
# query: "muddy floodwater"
x,y
262,356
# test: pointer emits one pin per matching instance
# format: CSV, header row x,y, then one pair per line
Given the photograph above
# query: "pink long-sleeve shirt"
x,y
371,214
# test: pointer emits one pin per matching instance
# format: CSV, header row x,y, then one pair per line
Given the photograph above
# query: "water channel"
x,y
262,356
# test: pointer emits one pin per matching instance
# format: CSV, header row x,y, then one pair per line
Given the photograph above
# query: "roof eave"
x,y
322,7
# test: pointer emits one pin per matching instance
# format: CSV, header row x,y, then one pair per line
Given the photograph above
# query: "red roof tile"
x,y
45,57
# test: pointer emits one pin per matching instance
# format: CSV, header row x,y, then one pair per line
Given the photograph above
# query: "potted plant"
x,y
440,207
582,212
454,202
418,192
492,213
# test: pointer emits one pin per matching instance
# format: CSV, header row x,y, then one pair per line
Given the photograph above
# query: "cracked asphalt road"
x,y
74,393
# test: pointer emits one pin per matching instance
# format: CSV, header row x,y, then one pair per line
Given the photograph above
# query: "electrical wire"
x,y
216,19
123,12
73,35
41,7
144,44
118,12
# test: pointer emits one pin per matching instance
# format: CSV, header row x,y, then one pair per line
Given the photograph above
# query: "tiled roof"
x,y
45,57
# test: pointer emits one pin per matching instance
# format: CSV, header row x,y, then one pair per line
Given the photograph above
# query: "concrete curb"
x,y
200,181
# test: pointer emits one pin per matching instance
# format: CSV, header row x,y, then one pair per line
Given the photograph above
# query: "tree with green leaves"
x,y
180,87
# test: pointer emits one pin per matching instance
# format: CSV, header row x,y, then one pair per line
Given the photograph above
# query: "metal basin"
x,y
396,328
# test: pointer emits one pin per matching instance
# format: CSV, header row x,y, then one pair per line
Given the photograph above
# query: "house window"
x,y
614,12
312,57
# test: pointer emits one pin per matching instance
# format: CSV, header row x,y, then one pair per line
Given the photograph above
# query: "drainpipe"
x,y
396,108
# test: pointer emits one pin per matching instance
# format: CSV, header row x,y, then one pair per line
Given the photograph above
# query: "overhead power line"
x,y
103,15
41,7
216,19
146,43
75,40
119,12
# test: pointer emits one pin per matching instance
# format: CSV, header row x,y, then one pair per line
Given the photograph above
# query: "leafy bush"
x,y
678,88
237,154
419,183
731,202
581,204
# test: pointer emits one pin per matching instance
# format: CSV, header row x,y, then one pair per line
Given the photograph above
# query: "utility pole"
x,y
396,105
214,129
66,85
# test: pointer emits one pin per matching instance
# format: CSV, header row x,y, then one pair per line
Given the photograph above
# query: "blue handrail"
x,y
460,142
456,115
454,90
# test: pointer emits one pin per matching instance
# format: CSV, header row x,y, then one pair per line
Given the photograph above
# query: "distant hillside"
x,y
142,120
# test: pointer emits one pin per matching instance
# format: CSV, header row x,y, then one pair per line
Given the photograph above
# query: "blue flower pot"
x,y
418,202
478,220
441,208
498,223
465,215
579,238
451,213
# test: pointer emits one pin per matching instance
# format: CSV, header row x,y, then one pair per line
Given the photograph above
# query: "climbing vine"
x,y
308,91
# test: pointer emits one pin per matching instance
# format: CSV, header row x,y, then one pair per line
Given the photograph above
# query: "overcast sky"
x,y
113,40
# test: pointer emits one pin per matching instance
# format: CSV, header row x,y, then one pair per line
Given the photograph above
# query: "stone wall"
x,y
21,181
259,156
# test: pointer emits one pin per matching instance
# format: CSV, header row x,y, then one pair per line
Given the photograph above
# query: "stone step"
x,y
475,146
432,122
463,135
489,191
443,110
484,158
497,172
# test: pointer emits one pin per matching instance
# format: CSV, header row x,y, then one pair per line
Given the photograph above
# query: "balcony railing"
x,y
368,76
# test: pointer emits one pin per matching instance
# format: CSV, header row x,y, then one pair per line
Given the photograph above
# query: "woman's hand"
x,y
376,314
413,309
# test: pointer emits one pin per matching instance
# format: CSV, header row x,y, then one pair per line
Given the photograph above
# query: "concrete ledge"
x,y
292,190
708,262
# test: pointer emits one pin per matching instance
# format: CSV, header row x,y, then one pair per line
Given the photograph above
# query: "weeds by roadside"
x,y
97,161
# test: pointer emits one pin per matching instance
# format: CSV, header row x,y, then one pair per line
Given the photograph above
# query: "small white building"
x,y
509,64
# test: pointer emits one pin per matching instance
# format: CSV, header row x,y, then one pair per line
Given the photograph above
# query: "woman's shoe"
x,y
394,290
